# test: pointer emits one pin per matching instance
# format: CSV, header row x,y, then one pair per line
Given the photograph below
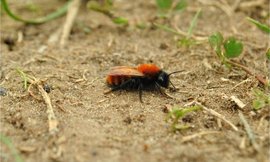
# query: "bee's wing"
x,y
124,70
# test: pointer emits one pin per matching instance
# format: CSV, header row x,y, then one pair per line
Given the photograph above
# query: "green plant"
x,y
60,12
178,113
268,54
11,147
187,41
225,49
32,7
185,38
105,7
168,7
24,76
228,49
261,99
262,27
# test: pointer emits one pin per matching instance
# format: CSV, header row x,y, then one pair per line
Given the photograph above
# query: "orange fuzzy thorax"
x,y
148,69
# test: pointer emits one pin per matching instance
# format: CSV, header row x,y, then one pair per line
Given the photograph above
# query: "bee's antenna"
x,y
176,72
172,85
179,71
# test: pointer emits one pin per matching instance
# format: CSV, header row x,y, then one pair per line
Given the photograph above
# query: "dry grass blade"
x,y
190,137
239,103
52,121
213,112
7,141
253,3
258,77
71,15
249,131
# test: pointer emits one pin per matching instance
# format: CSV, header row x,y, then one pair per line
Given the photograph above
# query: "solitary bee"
x,y
142,77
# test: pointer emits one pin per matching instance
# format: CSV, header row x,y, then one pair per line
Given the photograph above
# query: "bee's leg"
x,y
122,86
157,86
174,88
140,92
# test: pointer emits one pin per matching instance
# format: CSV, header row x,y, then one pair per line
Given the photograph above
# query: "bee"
x,y
142,77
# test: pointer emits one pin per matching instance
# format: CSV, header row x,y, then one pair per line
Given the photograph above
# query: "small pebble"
x,y
94,153
128,120
163,46
47,88
10,42
3,91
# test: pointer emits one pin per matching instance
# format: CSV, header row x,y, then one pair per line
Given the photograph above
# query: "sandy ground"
x,y
117,127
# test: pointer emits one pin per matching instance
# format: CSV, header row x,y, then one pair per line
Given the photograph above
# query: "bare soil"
x,y
116,126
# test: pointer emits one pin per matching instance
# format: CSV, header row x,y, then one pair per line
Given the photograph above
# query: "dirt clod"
x,y
3,91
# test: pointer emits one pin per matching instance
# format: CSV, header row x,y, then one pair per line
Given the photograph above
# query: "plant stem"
x,y
61,11
258,77
11,147
193,23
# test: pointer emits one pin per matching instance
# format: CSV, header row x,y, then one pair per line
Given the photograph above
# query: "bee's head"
x,y
164,78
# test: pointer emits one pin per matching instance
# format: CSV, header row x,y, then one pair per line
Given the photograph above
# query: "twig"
x,y
54,37
249,4
261,122
258,77
52,121
242,82
90,83
83,77
219,123
31,93
238,102
213,112
236,5
249,131
242,144
71,15
190,137
62,109
224,7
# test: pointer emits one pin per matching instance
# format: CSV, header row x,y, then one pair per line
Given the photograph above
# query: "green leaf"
x,y
109,3
120,21
99,6
215,41
268,54
193,23
261,26
261,99
179,113
181,5
24,77
94,5
233,48
59,12
187,42
166,28
258,104
141,25
32,7
164,4
180,127
7,141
